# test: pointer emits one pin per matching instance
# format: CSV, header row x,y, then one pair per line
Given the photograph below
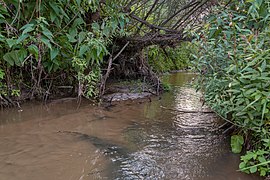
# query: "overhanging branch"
x,y
152,26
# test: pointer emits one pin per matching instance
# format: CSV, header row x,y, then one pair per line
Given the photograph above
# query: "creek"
x,y
130,140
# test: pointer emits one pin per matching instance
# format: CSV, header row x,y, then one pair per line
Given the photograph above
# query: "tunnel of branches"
x,y
164,23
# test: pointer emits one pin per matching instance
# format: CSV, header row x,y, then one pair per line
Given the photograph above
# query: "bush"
x,y
234,61
164,59
45,41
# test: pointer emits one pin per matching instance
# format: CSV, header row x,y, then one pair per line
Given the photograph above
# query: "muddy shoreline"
x,y
115,92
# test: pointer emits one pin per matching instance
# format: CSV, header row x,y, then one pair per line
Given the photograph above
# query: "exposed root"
x,y
5,101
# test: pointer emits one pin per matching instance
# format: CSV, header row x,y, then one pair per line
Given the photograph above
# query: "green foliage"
x,y
236,143
234,63
167,58
255,161
3,88
166,86
48,37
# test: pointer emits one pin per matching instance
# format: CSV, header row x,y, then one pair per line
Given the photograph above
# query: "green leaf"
x,y
262,173
263,66
72,34
250,91
71,38
33,49
236,143
15,57
2,73
82,36
106,31
55,7
47,33
9,58
122,24
27,28
11,42
95,27
263,112
78,22
83,49
53,16
22,54
22,38
2,17
242,165
2,38
261,159
53,53
46,41
249,155
78,2
253,169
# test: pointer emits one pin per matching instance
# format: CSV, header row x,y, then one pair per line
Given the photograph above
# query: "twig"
x,y
180,10
152,26
17,14
48,92
223,125
105,77
228,129
148,14
67,24
121,51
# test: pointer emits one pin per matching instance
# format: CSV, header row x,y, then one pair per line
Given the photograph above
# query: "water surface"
x,y
149,140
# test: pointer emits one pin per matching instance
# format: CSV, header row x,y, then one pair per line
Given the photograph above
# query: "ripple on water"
x,y
183,147
171,157
139,141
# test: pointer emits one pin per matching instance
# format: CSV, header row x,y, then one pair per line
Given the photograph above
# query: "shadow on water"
x,y
152,140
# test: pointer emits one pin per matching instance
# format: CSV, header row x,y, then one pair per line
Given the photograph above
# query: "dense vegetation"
x,y
163,59
234,61
50,47
44,43
53,46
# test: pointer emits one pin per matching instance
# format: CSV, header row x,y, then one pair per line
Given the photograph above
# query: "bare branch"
x,y
148,13
180,10
151,26
180,22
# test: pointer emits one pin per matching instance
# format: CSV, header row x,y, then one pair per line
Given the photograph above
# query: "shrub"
x,y
164,59
55,39
234,61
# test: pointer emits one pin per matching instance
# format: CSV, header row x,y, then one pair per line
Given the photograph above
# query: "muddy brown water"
x,y
150,140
